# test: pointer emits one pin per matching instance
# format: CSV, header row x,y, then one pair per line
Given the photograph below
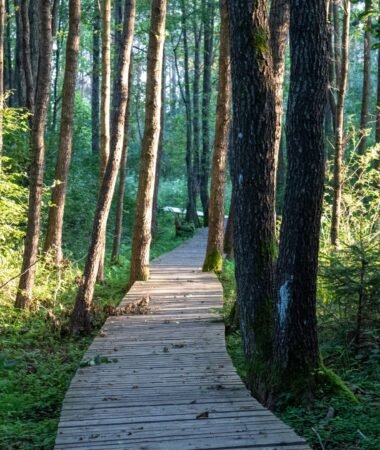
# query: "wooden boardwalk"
x,y
171,384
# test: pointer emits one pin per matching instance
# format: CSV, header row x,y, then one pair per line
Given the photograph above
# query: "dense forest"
x,y
127,125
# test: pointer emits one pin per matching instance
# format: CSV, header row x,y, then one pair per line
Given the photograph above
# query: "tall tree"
x,y
95,80
208,18
2,24
214,253
364,114
339,133
53,242
26,55
80,320
253,176
143,220
8,63
19,74
296,348
105,107
24,293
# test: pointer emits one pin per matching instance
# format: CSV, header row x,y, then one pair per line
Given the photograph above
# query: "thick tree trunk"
x,y
296,343
339,133
105,108
160,152
364,118
279,27
53,242
143,219
122,176
208,17
80,320
24,294
253,174
214,253
95,81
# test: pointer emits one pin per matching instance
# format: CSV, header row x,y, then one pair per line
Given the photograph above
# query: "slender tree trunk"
x,y
105,106
57,71
26,55
337,42
279,27
80,320
143,220
95,89
214,253
24,294
339,133
366,82
8,82
53,242
19,74
296,342
208,13
34,36
378,101
253,175
2,26
331,105
160,152
54,18
122,176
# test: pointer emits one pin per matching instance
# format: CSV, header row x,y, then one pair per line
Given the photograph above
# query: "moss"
x,y
213,262
328,380
260,40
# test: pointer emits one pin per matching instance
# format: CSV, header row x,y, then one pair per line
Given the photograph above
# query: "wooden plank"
x,y
167,367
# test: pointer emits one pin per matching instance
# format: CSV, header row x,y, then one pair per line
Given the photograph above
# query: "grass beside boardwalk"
x,y
37,356
328,423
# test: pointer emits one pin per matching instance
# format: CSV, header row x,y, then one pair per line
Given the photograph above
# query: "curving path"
x,y
171,384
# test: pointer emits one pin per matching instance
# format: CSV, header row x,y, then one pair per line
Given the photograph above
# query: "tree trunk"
x,y
122,176
279,27
8,82
331,105
214,253
143,220
208,17
253,175
95,82
366,82
337,42
160,153
53,242
80,320
2,25
339,133
34,21
105,105
378,101
24,293
26,55
57,22
19,74
296,342
229,233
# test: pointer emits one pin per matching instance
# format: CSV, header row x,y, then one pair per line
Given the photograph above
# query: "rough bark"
x,y
279,27
296,343
105,106
24,293
143,218
26,55
122,175
80,320
160,153
95,81
53,242
214,253
339,133
253,175
364,116
208,17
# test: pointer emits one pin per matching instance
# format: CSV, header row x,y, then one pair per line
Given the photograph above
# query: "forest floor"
x,y
328,423
37,356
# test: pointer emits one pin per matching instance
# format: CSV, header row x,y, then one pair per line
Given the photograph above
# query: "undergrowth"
x,y
37,356
328,422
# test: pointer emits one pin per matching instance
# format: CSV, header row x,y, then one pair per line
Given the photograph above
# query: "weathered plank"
x,y
169,382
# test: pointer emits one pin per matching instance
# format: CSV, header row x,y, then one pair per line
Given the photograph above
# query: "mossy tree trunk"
x,y
214,253
143,220
80,320
296,343
53,242
253,175
25,288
